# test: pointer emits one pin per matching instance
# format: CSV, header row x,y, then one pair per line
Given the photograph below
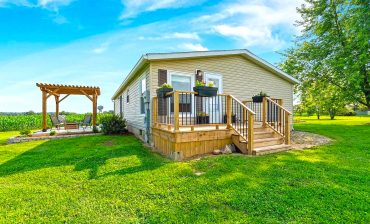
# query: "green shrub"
x,y
113,125
25,132
52,133
95,129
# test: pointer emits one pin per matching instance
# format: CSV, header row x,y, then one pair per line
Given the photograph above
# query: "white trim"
x,y
217,76
161,56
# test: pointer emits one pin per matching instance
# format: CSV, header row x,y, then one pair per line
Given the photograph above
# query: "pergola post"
x,y
95,99
57,106
44,108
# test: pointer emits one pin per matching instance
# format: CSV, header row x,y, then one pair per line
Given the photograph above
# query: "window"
x,y
180,82
183,82
143,89
127,97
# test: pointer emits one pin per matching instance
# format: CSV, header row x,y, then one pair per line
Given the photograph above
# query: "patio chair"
x,y
86,122
55,122
62,119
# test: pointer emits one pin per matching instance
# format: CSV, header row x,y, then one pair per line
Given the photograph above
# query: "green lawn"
x,y
106,179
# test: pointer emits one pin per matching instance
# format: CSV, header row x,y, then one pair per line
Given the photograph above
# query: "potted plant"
x,y
202,118
233,118
259,98
163,90
203,90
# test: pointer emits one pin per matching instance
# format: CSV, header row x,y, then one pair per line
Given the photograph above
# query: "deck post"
x,y
250,133
155,106
44,107
176,111
228,111
281,112
287,128
264,112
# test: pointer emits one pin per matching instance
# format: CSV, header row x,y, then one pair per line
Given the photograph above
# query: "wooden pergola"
x,y
48,90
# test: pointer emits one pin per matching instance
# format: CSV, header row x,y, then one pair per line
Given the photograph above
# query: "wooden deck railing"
x,y
186,109
271,113
242,120
277,118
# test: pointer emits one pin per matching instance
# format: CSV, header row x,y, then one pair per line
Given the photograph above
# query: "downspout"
x,y
147,115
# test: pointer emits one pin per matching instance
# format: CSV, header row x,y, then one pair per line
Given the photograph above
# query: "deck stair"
x,y
265,141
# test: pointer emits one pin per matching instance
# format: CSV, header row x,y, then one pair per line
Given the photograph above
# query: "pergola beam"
x,y
64,98
52,93
87,95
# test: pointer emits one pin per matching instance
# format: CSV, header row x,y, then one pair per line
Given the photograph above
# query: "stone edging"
x,y
18,139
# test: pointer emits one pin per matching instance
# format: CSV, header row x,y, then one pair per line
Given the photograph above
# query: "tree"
x,y
333,48
100,108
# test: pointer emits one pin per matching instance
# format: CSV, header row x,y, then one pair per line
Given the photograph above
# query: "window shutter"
x,y
162,105
198,100
162,76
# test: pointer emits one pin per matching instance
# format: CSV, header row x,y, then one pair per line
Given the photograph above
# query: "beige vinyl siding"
x,y
241,77
131,110
116,106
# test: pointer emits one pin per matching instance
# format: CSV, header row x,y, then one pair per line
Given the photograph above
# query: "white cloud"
x,y
251,37
101,49
135,7
255,23
192,47
175,35
47,4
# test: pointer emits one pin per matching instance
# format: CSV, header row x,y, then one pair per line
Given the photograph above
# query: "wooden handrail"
x,y
269,99
243,105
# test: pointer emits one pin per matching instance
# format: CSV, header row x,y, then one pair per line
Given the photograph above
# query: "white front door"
x,y
214,102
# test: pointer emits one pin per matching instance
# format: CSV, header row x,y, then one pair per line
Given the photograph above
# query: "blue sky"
x,y
96,43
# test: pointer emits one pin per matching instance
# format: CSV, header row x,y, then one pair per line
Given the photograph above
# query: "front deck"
x,y
186,125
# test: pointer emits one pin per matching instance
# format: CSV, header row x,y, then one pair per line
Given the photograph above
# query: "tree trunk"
x,y
332,113
318,113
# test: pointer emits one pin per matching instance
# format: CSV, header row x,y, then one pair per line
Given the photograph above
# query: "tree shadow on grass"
x,y
85,153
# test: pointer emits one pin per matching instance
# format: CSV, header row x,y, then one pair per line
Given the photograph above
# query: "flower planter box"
x,y
233,119
205,91
258,99
202,119
161,92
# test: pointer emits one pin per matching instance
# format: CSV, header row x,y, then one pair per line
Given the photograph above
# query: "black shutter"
x,y
162,105
198,100
162,77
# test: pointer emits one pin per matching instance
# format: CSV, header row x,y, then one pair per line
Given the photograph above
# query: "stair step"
x,y
267,142
264,134
270,149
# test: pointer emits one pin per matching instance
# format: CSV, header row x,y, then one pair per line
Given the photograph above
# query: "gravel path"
x,y
303,140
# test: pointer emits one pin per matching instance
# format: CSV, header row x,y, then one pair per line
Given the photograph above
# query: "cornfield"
x,y
22,122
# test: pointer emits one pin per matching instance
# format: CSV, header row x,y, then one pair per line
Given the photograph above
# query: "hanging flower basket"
x,y
259,98
205,91
161,92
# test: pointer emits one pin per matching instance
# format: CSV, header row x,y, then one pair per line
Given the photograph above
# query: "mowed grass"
x,y
114,179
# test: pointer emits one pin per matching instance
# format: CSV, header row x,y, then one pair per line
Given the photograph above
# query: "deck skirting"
x,y
182,145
